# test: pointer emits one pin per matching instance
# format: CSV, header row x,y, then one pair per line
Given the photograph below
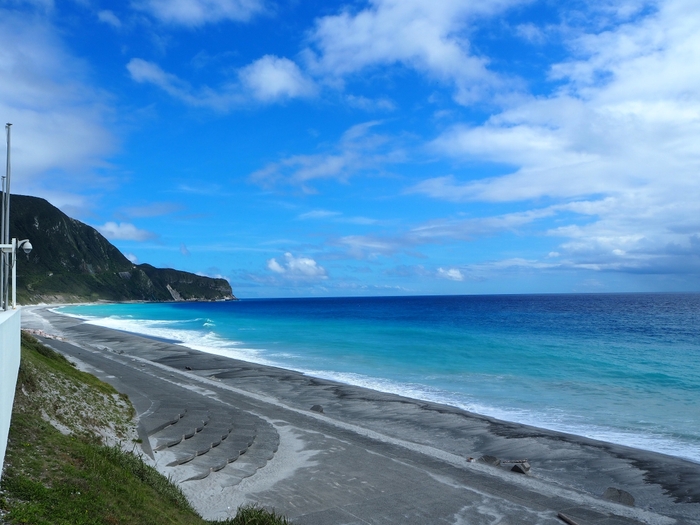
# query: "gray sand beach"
x,y
232,432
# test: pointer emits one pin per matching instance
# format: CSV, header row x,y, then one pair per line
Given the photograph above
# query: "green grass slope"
x,y
69,476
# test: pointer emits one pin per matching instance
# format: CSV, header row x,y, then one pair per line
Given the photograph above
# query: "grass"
x,y
69,476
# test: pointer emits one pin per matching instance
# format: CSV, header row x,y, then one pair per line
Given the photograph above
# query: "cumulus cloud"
x,y
124,231
273,78
452,274
302,268
428,37
195,13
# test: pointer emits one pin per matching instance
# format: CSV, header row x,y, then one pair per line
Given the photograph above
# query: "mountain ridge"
x,y
73,262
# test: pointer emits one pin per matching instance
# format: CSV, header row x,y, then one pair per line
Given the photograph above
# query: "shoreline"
x,y
660,483
665,444
445,406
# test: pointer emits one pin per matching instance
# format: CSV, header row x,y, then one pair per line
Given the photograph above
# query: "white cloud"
x,y
358,150
276,267
155,209
319,214
195,13
59,120
273,78
427,36
132,258
183,250
617,145
530,32
370,104
124,231
303,268
108,17
146,72
440,231
371,247
452,274
269,79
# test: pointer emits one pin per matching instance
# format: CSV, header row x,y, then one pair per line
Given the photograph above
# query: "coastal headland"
x,y
232,432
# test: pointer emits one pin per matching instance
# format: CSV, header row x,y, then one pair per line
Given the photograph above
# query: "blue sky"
x,y
369,148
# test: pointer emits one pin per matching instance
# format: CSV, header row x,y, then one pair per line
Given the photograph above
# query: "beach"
x,y
321,451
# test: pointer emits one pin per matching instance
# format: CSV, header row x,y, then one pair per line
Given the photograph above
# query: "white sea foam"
x,y
209,342
557,421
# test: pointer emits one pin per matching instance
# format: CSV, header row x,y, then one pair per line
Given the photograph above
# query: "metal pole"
x,y
2,241
8,171
6,221
14,274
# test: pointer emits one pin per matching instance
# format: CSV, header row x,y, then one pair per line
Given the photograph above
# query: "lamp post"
x,y
8,248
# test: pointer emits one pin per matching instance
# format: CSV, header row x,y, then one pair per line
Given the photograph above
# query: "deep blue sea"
x,y
623,368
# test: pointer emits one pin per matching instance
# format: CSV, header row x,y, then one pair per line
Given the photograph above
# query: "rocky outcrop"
x,y
72,262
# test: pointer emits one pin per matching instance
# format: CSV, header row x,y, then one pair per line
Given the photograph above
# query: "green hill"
x,y
73,262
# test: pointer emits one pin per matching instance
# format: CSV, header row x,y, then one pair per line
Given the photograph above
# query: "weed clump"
x,y
255,515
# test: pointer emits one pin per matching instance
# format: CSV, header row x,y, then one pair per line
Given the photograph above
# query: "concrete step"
x,y
230,431
186,428
231,442
238,459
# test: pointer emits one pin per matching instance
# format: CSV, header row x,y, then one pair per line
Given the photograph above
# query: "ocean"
x,y
623,368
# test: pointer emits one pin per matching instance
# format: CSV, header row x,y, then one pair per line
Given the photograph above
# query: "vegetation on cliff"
x,y
72,261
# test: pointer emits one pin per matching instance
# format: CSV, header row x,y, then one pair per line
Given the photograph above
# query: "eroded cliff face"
x,y
72,261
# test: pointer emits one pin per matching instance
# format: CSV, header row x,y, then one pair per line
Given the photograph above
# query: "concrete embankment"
x,y
232,432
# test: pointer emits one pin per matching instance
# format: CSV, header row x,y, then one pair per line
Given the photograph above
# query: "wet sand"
x,y
363,456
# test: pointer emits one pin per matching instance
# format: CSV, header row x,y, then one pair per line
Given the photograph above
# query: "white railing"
x,y
9,366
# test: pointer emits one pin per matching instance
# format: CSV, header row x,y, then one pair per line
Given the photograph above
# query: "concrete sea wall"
x,y
9,366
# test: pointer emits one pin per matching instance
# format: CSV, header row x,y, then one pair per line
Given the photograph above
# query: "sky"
x,y
382,147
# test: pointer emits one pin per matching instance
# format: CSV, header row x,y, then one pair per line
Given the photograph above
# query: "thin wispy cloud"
x,y
319,214
108,17
359,150
269,79
61,122
155,209
195,13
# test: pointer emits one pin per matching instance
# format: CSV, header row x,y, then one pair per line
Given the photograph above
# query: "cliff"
x,y
73,262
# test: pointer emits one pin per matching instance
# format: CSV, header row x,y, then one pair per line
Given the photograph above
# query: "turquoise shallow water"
x,y
621,368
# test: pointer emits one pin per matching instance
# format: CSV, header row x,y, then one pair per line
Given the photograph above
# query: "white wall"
x,y
9,366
